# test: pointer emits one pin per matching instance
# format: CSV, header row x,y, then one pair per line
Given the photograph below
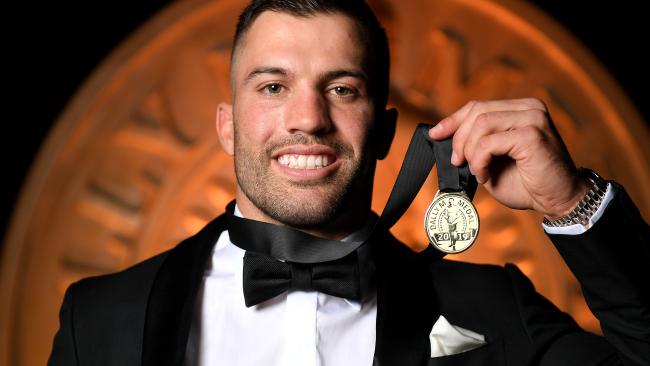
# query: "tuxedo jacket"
x,y
142,315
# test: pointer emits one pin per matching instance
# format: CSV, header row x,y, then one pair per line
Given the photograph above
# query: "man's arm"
x,y
614,287
611,261
516,153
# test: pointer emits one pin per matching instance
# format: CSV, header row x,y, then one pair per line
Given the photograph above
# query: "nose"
x,y
308,112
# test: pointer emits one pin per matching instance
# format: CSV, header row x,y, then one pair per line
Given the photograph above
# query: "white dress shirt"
x,y
301,328
295,328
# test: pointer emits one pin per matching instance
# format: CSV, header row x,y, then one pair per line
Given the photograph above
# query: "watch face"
x,y
451,222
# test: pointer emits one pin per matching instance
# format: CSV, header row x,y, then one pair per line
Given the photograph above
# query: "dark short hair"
x,y
377,60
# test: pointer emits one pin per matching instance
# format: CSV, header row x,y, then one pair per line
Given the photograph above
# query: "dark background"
x,y
52,47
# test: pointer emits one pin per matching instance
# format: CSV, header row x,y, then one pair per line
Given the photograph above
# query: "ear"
x,y
225,128
387,122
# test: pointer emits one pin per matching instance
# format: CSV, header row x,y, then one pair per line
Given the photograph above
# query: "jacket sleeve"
x,y
64,347
611,261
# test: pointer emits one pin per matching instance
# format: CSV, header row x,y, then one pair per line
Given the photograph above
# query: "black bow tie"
x,y
266,277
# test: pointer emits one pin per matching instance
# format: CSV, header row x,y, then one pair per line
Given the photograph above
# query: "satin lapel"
x,y
173,294
406,305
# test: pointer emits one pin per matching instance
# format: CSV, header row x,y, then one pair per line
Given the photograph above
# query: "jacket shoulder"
x,y
103,314
129,282
132,285
116,296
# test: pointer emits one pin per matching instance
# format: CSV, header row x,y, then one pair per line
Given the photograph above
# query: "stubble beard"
x,y
304,204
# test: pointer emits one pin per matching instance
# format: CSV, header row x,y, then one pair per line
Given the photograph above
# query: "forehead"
x,y
319,41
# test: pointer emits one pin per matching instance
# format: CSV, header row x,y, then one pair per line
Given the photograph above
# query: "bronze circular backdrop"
x,y
133,164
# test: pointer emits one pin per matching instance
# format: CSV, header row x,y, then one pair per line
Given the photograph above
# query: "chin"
x,y
306,211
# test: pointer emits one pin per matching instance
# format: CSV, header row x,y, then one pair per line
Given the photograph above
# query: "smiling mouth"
x,y
298,161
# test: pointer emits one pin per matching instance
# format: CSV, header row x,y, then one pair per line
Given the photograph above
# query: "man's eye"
x,y
342,91
273,88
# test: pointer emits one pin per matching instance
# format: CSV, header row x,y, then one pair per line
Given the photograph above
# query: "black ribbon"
x,y
450,177
284,244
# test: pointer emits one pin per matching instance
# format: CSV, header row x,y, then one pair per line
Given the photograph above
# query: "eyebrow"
x,y
335,74
329,75
266,70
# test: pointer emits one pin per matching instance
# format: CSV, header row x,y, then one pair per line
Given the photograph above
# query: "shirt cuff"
x,y
577,229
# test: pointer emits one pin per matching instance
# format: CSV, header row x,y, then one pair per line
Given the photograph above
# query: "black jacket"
x,y
142,315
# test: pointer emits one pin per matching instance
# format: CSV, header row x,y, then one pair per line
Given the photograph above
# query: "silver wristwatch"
x,y
588,205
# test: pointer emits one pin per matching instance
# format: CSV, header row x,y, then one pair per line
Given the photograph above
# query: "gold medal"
x,y
451,222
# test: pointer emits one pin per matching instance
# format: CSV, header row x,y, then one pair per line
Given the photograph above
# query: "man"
x,y
308,122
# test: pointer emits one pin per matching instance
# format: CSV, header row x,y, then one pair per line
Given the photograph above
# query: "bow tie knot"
x,y
266,277
301,276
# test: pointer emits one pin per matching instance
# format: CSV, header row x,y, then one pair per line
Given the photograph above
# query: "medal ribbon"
x,y
291,245
450,177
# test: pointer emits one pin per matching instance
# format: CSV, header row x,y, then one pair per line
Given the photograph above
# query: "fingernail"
x,y
437,128
454,158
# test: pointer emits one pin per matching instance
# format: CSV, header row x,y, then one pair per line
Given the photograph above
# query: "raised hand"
x,y
515,152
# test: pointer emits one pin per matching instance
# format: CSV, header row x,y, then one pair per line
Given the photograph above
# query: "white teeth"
x,y
304,161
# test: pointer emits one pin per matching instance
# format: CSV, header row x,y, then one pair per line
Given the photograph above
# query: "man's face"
x,y
302,119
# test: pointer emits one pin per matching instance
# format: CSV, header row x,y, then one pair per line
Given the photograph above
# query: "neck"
x,y
351,219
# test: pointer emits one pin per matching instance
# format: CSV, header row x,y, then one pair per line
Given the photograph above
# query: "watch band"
x,y
586,208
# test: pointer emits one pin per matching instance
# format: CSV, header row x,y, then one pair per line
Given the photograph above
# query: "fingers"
x,y
513,149
510,143
448,126
461,123
494,122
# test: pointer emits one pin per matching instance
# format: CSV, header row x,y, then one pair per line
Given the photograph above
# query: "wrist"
x,y
579,189
586,203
